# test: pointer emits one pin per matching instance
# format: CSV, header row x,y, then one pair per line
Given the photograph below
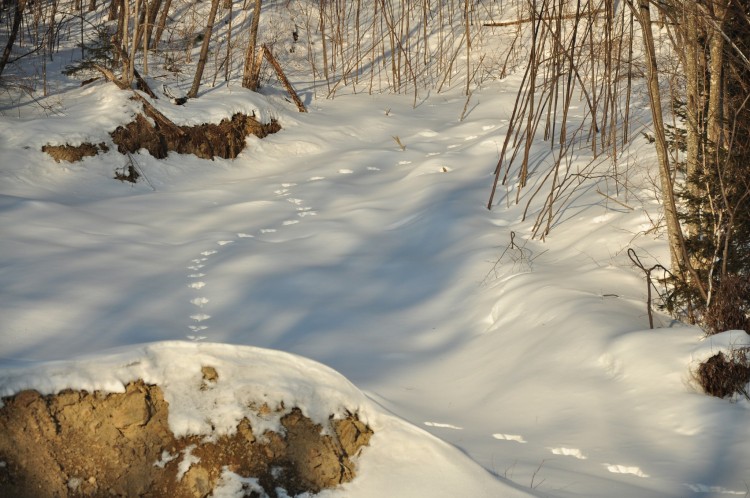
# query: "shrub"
x,y
730,306
724,375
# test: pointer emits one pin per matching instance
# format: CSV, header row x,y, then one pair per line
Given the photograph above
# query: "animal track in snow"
x,y
373,168
443,426
713,490
510,437
302,212
576,453
199,301
625,469
345,171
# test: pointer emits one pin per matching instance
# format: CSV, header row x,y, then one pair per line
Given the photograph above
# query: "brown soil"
x,y
72,153
77,443
155,133
226,139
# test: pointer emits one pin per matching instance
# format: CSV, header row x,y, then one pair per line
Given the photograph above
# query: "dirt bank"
x,y
77,443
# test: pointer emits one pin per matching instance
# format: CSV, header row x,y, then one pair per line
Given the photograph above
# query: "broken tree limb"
x,y
154,114
110,76
282,78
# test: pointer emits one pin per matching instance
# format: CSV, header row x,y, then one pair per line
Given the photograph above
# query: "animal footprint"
x,y
576,453
197,285
624,469
510,437
199,301
443,426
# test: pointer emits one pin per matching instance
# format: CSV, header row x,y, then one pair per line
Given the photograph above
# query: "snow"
x,y
332,269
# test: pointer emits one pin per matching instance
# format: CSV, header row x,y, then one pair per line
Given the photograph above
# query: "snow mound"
x,y
212,388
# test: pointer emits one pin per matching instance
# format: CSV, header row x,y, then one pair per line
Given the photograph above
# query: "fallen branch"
x,y
504,24
615,200
154,114
282,78
110,76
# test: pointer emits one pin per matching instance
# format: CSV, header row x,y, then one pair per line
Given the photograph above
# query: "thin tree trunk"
x,y
204,50
694,105
678,252
153,11
20,6
715,123
248,77
162,23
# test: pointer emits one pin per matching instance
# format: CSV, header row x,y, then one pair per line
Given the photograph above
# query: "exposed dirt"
x,y
226,139
153,132
72,153
77,443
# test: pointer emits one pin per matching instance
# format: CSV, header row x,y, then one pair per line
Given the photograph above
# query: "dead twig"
x,y
649,283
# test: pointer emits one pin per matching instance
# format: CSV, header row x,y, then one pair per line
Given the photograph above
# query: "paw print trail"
x,y
199,317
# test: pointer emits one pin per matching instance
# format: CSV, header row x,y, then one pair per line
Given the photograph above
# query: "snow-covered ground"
x,y
532,360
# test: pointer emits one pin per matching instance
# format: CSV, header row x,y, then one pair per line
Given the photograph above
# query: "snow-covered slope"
x,y
330,241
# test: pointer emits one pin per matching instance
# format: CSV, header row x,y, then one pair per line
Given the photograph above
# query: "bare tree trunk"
x,y
715,123
204,51
678,252
114,7
20,7
694,105
162,22
153,11
248,76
